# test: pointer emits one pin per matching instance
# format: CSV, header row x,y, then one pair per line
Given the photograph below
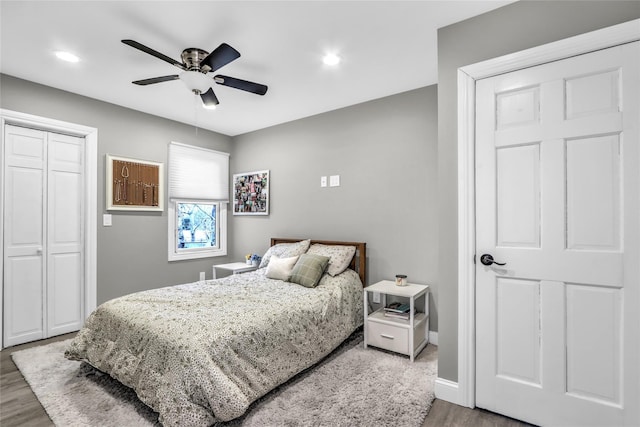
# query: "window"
x,y
198,198
197,225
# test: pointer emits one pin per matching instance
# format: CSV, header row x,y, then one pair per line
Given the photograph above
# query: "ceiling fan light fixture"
x,y
195,81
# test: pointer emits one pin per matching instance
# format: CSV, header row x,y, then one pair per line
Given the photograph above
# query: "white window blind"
x,y
198,173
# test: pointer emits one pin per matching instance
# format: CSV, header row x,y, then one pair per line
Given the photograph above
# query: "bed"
x,y
202,352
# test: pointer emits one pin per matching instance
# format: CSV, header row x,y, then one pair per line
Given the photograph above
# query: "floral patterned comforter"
x,y
203,352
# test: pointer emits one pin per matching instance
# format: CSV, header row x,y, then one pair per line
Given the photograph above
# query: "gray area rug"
x,y
350,387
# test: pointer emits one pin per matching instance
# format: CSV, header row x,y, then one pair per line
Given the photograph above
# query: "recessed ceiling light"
x,y
67,56
331,59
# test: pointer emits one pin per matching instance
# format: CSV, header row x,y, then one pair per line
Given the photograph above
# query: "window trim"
x,y
196,253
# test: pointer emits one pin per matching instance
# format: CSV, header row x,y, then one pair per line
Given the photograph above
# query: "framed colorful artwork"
x,y
251,193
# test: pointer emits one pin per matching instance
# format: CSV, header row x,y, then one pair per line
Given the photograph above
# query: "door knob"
x,y
39,251
487,259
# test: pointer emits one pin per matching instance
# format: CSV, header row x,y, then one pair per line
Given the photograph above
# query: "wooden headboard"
x,y
358,263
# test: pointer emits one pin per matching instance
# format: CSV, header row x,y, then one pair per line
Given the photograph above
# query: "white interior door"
x,y
43,234
557,200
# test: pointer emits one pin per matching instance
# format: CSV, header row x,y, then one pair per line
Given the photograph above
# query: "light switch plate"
x,y
106,220
323,181
334,181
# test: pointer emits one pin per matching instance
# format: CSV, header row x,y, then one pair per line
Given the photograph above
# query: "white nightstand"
x,y
234,268
405,336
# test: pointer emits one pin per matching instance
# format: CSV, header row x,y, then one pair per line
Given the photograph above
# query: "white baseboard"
x,y
447,390
433,337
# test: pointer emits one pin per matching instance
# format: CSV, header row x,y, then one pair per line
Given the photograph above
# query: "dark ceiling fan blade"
x,y
209,98
155,53
220,57
252,87
153,80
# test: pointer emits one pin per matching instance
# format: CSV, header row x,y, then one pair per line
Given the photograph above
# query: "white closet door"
x,y
43,234
65,238
24,263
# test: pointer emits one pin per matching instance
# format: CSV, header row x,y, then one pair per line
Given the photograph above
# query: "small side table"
x,y
234,268
405,336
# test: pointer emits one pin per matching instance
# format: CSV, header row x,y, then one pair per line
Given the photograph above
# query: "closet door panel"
x,y
65,234
24,211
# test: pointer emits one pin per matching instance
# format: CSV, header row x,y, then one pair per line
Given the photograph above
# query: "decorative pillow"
x,y
339,256
280,268
285,250
308,270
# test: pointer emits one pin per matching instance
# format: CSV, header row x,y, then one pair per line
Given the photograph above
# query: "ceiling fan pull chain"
x,y
195,114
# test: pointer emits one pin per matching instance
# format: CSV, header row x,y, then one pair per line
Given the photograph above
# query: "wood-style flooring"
x,y
20,407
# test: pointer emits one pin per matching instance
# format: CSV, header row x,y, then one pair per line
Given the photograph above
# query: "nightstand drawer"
x,y
388,337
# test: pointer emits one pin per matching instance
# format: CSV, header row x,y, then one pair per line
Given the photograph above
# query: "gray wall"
x,y
385,154
132,254
509,29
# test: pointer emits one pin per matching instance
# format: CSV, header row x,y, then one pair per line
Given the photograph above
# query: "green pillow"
x,y
309,269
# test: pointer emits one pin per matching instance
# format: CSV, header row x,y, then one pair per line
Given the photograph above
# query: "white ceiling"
x,y
387,47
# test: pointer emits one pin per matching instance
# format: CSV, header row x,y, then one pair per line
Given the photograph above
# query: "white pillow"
x,y
339,256
280,268
284,250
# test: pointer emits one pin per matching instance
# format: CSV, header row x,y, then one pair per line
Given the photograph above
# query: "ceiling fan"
x,y
196,63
